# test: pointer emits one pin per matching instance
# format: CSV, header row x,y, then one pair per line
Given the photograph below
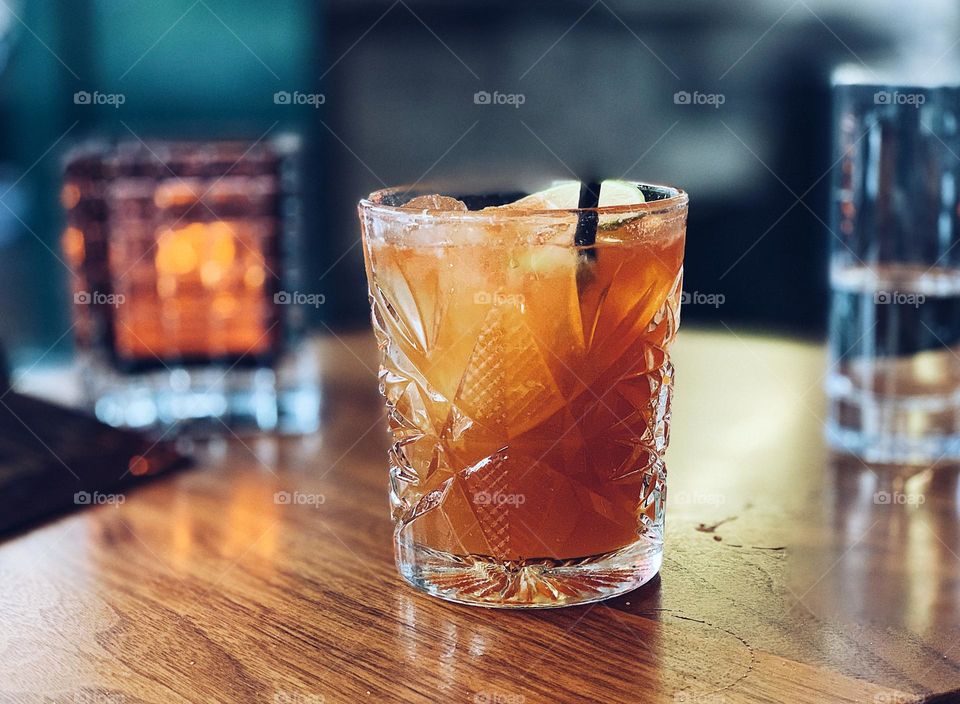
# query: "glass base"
x,y
542,583
892,448
917,429
203,401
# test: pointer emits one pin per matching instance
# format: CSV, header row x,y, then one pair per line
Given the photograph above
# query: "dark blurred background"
x,y
728,100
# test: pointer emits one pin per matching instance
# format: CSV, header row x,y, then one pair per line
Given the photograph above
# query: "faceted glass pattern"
x,y
528,390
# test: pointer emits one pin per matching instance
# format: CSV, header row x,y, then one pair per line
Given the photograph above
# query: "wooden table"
x,y
786,579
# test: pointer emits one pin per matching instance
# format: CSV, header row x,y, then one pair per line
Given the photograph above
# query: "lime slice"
x,y
546,260
557,257
566,195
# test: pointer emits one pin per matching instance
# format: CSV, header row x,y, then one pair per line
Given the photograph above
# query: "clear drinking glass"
x,y
894,380
528,386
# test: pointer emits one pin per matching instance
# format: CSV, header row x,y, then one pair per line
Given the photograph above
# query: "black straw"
x,y
587,218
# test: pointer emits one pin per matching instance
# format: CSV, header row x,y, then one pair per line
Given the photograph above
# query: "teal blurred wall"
x,y
190,68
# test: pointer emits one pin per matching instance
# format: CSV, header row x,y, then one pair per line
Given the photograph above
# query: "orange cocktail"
x,y
528,386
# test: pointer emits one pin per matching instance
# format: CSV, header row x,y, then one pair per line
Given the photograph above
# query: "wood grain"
x,y
784,581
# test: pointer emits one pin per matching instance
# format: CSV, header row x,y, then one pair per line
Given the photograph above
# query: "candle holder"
x,y
183,259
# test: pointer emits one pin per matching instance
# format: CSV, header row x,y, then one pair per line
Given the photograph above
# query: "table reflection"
x,y
627,641
894,560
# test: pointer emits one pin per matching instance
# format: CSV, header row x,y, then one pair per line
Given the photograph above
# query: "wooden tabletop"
x,y
789,576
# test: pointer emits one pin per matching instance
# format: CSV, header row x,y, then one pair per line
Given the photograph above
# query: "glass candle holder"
x,y
183,255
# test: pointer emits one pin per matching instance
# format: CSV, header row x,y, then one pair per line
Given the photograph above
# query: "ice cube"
x,y
435,202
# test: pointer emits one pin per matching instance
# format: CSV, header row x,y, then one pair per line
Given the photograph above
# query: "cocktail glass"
x,y
528,385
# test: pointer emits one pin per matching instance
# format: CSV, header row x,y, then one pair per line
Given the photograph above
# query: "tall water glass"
x,y
894,380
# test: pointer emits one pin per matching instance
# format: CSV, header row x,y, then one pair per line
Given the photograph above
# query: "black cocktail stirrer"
x,y
585,237
587,219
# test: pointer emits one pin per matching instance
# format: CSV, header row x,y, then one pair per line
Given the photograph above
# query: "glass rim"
x,y
892,77
677,200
